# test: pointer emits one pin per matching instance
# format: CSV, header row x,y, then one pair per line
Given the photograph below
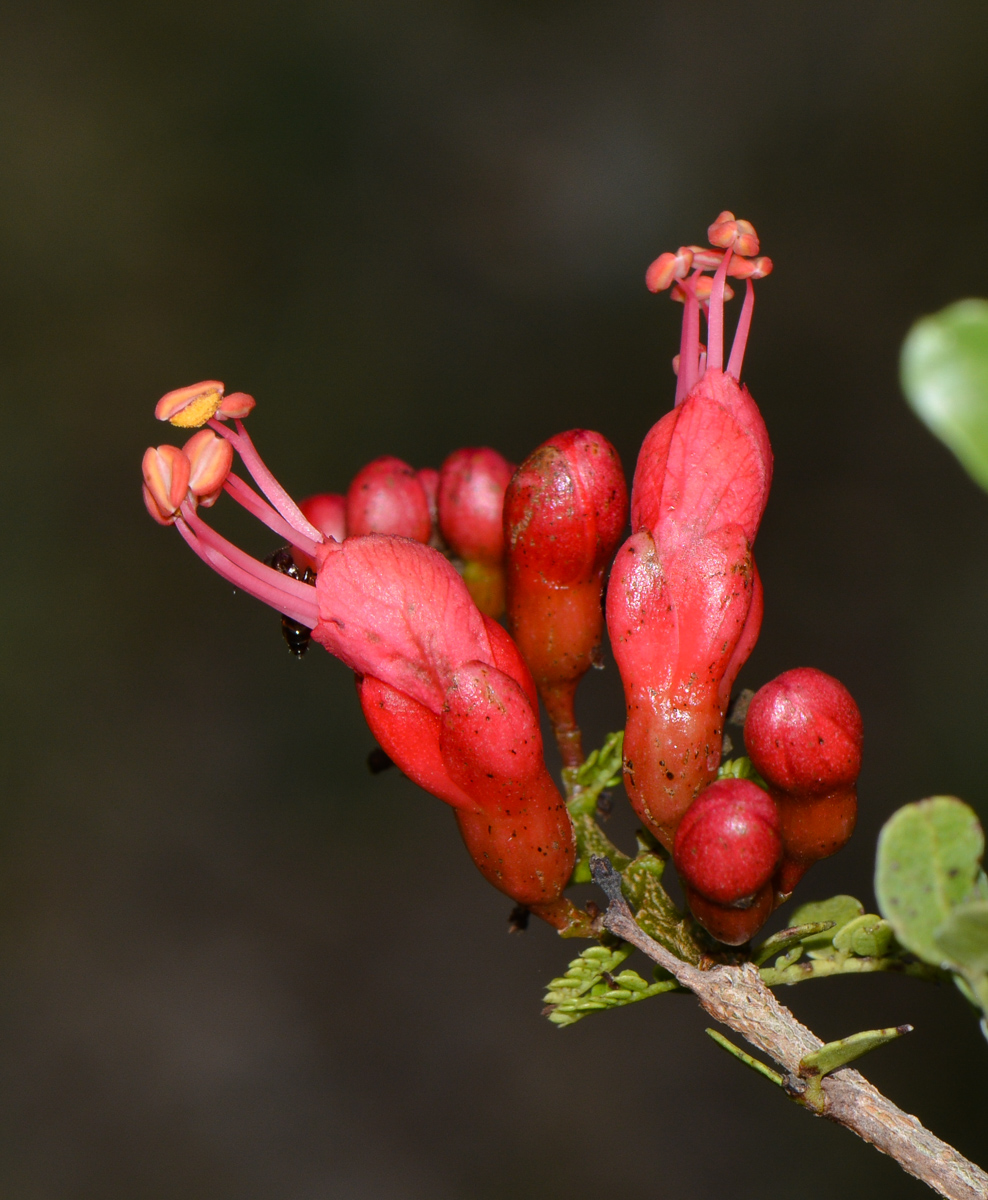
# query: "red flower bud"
x,y
564,511
471,490
327,512
732,926
386,496
803,733
727,845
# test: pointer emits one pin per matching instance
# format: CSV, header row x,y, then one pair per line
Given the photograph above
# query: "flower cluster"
x,y
403,577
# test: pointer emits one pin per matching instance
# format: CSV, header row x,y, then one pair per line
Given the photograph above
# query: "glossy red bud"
x,y
564,512
727,846
812,828
387,496
472,484
803,733
471,490
732,926
327,512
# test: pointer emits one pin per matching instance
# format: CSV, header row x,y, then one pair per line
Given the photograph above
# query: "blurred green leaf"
x,y
963,937
944,371
928,863
740,768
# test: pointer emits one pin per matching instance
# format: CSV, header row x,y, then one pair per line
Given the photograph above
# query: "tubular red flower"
x,y
443,688
564,511
684,602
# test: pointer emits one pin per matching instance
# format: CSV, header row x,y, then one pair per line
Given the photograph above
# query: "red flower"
x,y
444,688
684,602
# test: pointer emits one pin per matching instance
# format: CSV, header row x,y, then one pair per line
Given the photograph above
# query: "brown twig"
x,y
736,997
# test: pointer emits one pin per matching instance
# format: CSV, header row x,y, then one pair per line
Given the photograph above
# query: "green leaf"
x,y
839,909
928,863
835,1055
963,938
590,985
868,936
944,372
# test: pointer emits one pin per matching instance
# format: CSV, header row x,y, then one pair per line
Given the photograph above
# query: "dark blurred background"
x,y
232,963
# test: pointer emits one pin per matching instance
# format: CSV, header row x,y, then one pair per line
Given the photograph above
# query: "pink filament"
x,y
715,316
741,333
245,495
689,345
271,488
284,594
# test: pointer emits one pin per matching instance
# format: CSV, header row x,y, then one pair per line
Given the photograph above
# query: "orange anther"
x,y
166,477
668,267
237,404
703,287
739,235
210,458
190,407
705,258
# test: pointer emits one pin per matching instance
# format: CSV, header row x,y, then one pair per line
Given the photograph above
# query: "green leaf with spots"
x,y
963,938
944,372
929,856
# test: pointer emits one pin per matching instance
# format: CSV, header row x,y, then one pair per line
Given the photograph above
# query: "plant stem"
x,y
736,997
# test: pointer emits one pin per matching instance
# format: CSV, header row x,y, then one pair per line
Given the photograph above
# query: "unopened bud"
x,y
386,496
327,512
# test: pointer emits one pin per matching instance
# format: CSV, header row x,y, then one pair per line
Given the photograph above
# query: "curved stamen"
x,y
741,333
271,488
285,595
245,496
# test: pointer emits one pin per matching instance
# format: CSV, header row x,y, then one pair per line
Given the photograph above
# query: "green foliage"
x,y
590,985
944,371
740,768
839,909
600,771
931,888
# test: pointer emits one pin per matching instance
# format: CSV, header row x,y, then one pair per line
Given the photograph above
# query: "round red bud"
x,y
727,845
803,733
386,496
472,483
327,511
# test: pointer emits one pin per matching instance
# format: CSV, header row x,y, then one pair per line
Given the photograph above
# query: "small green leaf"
x,y
785,938
835,1055
928,863
839,909
868,936
944,371
963,938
